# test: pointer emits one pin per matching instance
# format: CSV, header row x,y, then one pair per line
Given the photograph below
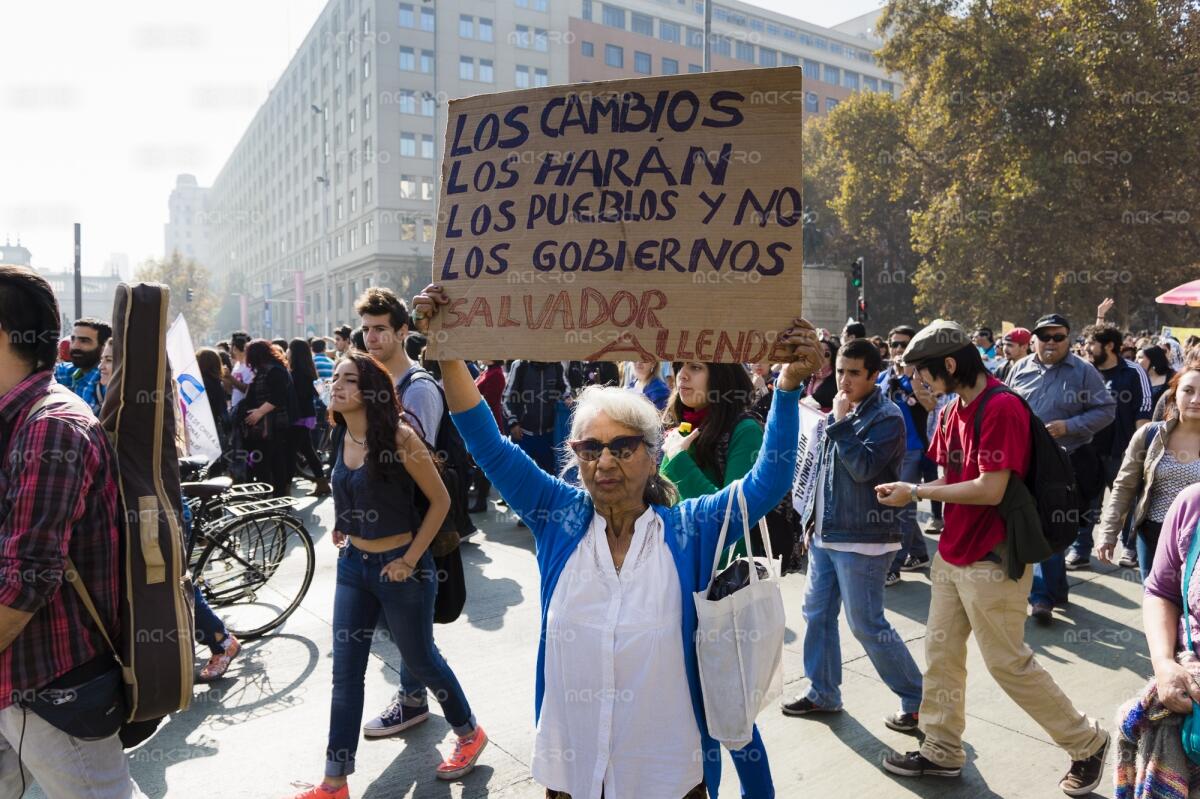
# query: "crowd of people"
x,y
608,465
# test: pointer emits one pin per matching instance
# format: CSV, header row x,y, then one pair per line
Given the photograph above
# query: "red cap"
x,y
1018,335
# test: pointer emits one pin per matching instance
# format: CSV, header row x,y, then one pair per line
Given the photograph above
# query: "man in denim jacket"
x,y
853,541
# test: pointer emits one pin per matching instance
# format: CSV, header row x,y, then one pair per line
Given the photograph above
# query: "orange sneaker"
x,y
466,752
217,665
323,791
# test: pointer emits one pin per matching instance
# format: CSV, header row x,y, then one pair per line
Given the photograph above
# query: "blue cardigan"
x,y
558,515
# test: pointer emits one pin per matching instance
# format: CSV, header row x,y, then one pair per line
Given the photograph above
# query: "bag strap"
x,y
983,399
1189,567
73,578
735,490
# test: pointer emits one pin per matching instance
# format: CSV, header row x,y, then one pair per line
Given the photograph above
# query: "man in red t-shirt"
x,y
972,592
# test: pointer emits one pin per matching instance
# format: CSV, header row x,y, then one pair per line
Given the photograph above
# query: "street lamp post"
x,y
436,177
323,179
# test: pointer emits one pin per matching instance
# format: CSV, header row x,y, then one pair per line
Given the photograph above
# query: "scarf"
x,y
1150,760
695,417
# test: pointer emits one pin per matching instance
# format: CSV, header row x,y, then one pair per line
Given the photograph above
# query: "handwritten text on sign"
x,y
652,219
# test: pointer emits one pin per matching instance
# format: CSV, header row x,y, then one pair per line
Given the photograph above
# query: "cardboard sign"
x,y
657,219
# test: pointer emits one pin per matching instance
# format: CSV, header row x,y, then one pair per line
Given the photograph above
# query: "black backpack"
x,y
452,452
1051,478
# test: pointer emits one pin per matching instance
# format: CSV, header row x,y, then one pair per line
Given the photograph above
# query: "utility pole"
x,y
708,35
78,274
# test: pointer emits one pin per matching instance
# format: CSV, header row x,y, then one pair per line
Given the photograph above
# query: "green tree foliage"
x,y
1044,156
180,274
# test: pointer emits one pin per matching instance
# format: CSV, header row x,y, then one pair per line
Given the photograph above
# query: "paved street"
x,y
264,726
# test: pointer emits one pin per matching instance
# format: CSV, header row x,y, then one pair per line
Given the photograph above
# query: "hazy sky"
x,y
103,104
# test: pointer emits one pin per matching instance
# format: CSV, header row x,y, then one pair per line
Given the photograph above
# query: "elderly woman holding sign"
x,y
618,700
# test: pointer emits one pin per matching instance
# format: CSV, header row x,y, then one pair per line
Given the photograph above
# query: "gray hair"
x,y
633,410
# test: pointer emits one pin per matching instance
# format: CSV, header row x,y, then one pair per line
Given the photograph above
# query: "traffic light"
x,y
189,294
862,308
856,274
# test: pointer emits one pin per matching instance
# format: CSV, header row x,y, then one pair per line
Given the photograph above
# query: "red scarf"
x,y
695,417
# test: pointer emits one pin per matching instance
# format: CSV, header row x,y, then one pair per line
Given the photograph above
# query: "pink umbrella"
x,y
1188,294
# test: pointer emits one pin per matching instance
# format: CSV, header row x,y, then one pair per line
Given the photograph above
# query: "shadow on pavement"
x,y
413,770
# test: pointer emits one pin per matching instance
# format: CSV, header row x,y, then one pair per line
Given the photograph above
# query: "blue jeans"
x,y
541,449
1050,581
754,771
208,625
912,541
857,582
407,609
1084,542
1147,542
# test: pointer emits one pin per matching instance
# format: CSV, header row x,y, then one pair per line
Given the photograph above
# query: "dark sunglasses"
x,y
897,345
1057,338
621,447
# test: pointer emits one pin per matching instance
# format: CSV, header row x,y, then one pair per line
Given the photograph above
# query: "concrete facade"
x,y
187,229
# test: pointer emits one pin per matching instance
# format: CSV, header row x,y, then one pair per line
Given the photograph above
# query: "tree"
x,y
1053,146
180,275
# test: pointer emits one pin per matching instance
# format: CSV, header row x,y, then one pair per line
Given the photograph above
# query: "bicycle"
x,y
249,555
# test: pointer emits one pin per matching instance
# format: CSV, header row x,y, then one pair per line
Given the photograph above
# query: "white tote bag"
x,y
739,641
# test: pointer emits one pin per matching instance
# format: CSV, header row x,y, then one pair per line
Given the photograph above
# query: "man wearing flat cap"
x,y
1068,394
972,592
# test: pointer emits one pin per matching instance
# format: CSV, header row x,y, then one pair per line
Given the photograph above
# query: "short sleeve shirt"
x,y
972,531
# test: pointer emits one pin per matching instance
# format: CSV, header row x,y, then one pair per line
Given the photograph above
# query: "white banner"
x,y
808,448
198,420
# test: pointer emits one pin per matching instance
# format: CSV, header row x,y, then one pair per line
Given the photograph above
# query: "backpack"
x,y
1050,479
155,645
451,452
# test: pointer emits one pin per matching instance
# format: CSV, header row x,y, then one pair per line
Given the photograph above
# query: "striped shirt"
x,y
324,366
58,497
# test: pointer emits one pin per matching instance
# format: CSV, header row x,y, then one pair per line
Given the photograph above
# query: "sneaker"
x,y
323,791
803,706
397,718
1084,776
1128,559
935,526
891,579
1075,561
912,563
217,665
901,721
462,761
913,764
1042,612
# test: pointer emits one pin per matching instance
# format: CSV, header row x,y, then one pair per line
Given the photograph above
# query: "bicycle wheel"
x,y
256,571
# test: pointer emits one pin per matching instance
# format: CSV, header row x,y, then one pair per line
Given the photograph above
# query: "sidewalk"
x,y
264,726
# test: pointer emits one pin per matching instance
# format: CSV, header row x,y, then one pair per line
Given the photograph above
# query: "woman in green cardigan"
x,y
721,447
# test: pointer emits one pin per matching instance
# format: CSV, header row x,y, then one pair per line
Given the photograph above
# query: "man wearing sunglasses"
x,y
1068,395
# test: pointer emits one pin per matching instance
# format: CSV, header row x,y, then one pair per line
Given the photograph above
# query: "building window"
x,y
366,107
466,68
408,187
466,26
521,3
350,123
614,17
426,104
541,40
427,19
695,37
694,68
641,63
408,144
408,230
408,59
722,45
426,230
850,79
337,135
521,37
368,231
366,67
426,146
790,60
353,201
366,24
427,61
541,77
407,19
767,57
812,103
368,192
353,160
670,66
870,84
426,188
486,71
830,104
668,31
485,30
522,78
888,87
831,75
812,70
614,56
586,13
745,52
587,49
408,103
642,24
341,210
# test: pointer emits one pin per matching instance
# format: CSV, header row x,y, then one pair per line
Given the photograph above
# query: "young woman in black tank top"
x,y
384,567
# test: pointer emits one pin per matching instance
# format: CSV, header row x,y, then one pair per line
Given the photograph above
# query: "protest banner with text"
x,y
649,219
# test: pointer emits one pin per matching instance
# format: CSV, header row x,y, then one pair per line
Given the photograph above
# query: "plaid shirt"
x,y
58,497
85,384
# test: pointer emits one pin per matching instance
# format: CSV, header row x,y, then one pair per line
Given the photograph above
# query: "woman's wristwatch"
x,y
914,492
